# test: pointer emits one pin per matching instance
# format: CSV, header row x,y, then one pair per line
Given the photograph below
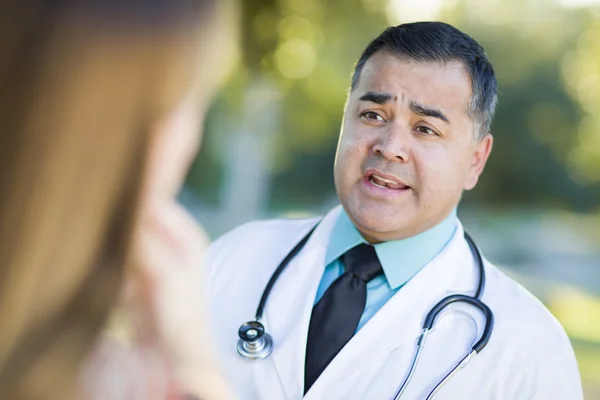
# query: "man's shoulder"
x,y
517,309
264,229
252,251
516,304
259,236
528,335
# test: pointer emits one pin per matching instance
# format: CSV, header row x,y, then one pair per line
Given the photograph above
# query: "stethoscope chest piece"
x,y
254,342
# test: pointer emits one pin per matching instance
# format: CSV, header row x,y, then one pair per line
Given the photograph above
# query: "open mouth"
x,y
386,182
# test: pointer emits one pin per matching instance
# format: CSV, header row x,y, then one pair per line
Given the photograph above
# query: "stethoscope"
x,y
255,343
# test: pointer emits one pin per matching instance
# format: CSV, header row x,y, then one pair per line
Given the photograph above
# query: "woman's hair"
x,y
82,83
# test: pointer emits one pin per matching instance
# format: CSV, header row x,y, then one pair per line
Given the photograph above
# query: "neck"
x,y
381,237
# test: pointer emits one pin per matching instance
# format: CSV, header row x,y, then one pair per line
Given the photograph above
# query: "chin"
x,y
378,228
378,221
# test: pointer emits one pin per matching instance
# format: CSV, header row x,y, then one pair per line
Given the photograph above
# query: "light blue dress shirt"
x,y
400,259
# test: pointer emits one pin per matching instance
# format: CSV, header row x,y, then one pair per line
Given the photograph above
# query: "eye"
x,y
372,116
426,131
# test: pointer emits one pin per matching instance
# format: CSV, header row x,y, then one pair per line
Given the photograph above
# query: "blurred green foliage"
x,y
547,128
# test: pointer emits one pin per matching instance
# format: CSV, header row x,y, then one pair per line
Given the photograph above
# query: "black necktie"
x,y
336,316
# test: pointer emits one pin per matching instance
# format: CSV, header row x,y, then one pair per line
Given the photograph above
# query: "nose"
x,y
393,144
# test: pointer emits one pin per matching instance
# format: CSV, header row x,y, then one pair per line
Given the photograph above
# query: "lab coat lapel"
x,y
400,320
290,305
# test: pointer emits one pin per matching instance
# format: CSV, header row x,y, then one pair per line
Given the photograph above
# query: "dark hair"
x,y
439,42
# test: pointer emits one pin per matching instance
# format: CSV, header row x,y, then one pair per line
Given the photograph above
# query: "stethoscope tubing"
x,y
289,257
246,344
474,301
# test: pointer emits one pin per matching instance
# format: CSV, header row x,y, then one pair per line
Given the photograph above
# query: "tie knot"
x,y
362,261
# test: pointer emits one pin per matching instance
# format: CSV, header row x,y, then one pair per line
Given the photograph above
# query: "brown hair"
x,y
81,85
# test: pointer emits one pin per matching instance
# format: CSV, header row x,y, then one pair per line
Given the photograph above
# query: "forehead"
x,y
444,85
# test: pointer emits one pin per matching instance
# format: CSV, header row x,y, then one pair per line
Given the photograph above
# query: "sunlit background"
x,y
272,132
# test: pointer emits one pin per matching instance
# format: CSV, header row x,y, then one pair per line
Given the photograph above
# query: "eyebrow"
x,y
377,97
426,111
417,108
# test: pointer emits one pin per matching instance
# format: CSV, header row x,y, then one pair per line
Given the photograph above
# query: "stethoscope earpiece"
x,y
254,342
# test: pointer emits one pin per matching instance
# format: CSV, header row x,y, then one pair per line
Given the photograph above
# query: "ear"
x,y
482,151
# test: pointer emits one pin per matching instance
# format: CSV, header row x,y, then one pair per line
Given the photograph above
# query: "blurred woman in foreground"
x,y
101,105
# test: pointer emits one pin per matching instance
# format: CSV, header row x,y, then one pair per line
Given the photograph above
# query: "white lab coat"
x,y
528,357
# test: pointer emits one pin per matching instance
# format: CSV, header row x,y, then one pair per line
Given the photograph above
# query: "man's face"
x,y
407,148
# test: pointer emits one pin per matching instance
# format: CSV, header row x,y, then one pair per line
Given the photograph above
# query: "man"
x,y
346,313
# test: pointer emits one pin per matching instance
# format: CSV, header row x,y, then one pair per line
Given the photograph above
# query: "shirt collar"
x,y
400,259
